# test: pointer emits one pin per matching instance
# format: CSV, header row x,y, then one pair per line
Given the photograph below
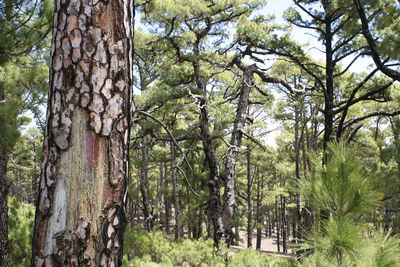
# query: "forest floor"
x,y
268,245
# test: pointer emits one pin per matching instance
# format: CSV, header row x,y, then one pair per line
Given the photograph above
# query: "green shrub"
x,y
145,249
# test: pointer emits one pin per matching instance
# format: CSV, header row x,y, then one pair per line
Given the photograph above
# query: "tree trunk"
x,y
213,183
162,196
199,228
232,152
167,200
175,191
144,187
329,92
190,225
4,256
277,224
284,224
80,216
260,218
296,230
249,201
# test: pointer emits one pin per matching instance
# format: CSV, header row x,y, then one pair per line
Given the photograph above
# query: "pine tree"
x,y
80,217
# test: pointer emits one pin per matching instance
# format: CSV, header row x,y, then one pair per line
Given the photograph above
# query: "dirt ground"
x,y
268,245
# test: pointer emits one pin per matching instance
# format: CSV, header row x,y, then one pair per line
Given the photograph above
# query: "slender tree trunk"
x,y
4,256
167,200
177,209
80,216
249,201
278,226
284,224
260,218
144,187
329,92
139,211
190,225
268,230
162,197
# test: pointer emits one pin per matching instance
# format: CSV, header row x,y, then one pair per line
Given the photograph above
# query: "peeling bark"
x,y
80,217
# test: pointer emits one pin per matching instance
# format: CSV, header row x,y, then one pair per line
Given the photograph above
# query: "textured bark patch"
x,y
85,148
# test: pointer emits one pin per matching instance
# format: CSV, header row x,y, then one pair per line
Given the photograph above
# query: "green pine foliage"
x,y
341,188
20,232
340,185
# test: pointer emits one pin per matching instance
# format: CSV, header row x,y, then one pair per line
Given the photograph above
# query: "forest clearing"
x,y
221,133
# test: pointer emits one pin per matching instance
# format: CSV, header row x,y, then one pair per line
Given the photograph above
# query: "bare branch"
x,y
253,139
374,114
372,45
169,133
187,181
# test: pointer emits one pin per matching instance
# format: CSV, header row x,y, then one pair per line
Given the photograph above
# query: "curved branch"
x,y
372,45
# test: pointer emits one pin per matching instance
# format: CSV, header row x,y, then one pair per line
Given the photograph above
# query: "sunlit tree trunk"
x,y
80,217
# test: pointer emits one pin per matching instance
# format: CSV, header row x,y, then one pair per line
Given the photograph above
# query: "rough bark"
x,y
4,256
234,145
215,206
80,217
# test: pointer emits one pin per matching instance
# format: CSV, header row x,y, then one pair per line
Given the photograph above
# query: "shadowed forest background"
x,y
242,133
